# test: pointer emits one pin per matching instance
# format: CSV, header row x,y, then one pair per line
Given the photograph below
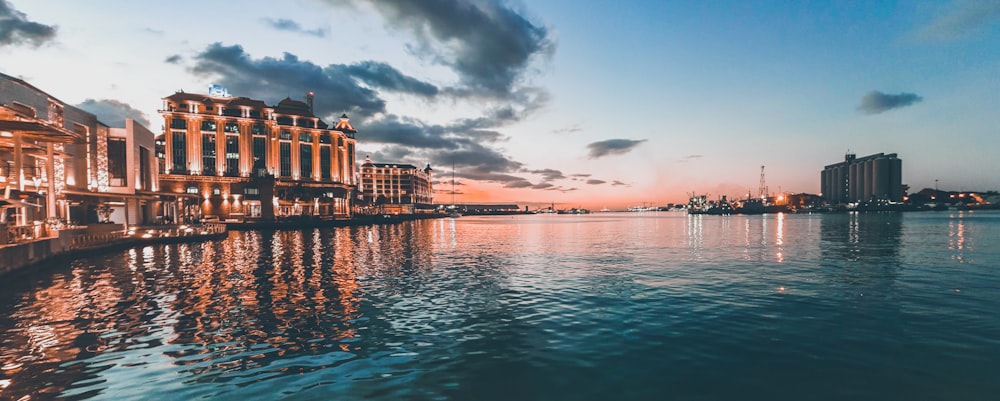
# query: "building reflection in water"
x,y
862,248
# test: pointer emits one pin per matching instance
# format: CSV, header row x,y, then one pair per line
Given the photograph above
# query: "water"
x,y
600,307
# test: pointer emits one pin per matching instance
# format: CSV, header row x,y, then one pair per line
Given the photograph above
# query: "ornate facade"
x,y
238,158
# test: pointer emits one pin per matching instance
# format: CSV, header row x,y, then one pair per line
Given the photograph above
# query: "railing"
x,y
24,233
89,240
81,241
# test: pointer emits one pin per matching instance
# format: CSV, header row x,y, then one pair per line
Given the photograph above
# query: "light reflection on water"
x,y
606,306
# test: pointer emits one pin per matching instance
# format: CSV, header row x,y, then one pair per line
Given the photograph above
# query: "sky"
x,y
578,103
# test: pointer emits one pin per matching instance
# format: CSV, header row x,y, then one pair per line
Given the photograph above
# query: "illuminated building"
x,y
396,188
240,158
55,164
866,179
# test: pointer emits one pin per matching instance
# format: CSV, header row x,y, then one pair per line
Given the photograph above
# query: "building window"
x,y
285,135
208,154
145,173
117,162
305,160
216,191
305,122
251,191
178,123
179,145
232,155
284,120
232,128
259,156
285,159
257,129
305,137
324,162
324,138
192,189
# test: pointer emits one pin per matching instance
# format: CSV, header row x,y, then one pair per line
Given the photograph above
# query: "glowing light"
x,y
7,134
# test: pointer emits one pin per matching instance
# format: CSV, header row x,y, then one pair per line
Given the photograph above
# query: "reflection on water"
x,y
611,306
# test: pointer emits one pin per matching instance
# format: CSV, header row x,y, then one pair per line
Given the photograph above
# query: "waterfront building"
x,y
59,164
859,180
395,188
237,158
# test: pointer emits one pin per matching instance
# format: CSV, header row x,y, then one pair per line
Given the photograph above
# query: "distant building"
x,y
396,188
236,157
866,179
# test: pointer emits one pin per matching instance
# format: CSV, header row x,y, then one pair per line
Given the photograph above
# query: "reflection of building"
x,y
238,157
60,162
396,188
874,177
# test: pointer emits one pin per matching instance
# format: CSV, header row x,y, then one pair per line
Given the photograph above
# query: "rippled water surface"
x,y
601,307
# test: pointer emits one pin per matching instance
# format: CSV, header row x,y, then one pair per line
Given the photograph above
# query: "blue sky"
x,y
579,103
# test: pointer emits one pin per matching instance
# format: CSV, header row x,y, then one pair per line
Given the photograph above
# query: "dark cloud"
x,y
612,147
488,44
16,29
288,25
595,182
618,183
960,19
174,59
543,185
113,113
384,76
271,79
581,175
518,183
549,174
876,102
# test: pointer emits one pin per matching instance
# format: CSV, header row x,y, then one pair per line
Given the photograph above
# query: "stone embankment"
x,y
25,251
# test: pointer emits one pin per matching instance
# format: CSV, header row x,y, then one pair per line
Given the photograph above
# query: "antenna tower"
x,y
762,189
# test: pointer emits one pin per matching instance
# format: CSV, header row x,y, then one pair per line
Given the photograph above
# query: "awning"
x,y
107,195
41,132
16,203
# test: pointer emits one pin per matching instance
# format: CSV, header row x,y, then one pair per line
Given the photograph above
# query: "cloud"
x,y
876,102
384,76
174,59
688,158
568,130
487,43
962,18
358,88
288,25
542,185
617,183
595,182
549,174
271,79
113,112
612,147
16,29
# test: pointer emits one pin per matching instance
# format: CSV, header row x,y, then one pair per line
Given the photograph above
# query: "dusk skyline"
x,y
593,104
